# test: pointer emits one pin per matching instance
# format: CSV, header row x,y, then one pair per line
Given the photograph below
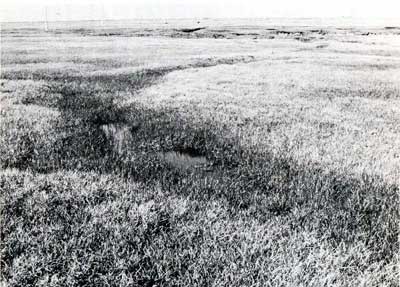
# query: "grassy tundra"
x,y
227,156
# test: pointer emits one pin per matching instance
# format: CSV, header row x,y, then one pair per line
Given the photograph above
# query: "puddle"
x,y
183,160
119,135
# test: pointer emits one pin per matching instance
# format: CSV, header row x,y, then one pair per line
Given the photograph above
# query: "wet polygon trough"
x,y
119,135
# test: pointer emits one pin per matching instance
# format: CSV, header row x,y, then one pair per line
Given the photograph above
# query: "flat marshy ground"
x,y
224,156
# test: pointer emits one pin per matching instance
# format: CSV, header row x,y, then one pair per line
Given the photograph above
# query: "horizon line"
x,y
205,18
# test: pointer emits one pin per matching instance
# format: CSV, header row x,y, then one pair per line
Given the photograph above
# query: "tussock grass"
x,y
85,229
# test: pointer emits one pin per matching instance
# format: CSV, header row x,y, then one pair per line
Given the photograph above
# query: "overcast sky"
x,y
34,10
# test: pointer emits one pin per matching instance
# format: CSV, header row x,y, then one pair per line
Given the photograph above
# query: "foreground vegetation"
x,y
89,197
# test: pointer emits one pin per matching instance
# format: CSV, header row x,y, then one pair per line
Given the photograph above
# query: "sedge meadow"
x,y
200,153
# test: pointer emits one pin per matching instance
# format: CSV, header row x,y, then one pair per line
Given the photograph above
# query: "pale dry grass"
x,y
342,119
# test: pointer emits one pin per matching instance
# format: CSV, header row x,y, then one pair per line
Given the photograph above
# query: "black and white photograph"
x,y
166,143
